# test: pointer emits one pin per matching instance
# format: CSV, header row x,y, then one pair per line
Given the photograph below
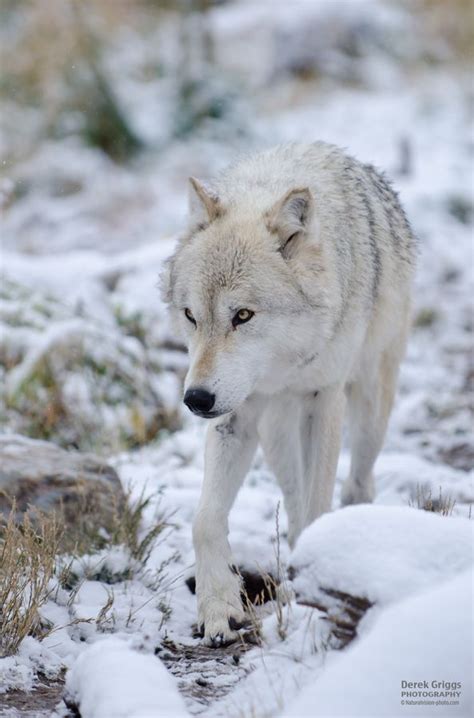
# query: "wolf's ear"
x,y
290,216
204,204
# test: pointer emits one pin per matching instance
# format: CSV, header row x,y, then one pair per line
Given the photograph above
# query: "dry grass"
x,y
443,504
278,587
30,547
27,563
274,589
452,21
95,527
123,526
126,526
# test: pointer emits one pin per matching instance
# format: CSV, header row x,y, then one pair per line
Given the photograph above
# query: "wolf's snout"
x,y
199,401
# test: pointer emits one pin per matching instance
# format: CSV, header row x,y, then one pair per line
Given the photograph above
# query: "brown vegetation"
x,y
27,563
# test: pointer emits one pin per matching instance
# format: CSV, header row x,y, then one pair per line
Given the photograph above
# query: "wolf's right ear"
x,y
204,204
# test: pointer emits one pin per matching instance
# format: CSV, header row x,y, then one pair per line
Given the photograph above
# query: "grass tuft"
x,y
27,564
127,520
443,504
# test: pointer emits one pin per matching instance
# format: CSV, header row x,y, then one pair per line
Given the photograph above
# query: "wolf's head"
x,y
241,286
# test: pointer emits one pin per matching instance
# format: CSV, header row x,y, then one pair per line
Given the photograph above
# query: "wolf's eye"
x,y
189,315
242,316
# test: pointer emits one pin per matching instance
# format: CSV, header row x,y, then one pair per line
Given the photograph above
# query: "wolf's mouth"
x,y
208,414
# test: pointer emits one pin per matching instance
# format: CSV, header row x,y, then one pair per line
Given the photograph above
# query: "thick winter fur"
x,y
317,246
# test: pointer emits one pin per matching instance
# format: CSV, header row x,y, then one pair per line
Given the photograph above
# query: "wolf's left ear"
x,y
290,215
204,204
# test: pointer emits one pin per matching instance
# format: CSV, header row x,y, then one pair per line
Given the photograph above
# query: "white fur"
x,y
317,246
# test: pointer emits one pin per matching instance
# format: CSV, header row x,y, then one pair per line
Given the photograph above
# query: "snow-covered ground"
x,y
86,264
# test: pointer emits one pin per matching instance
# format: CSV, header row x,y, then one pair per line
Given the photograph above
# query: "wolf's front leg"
x,y
230,446
321,443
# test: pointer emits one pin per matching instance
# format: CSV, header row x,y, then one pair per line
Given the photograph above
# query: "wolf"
x,y
291,285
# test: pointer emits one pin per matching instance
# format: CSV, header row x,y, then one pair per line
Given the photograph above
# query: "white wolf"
x,y
292,288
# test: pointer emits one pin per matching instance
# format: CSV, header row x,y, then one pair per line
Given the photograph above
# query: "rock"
x,y
81,487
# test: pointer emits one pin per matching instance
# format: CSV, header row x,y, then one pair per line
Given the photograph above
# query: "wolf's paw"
x,y
220,623
353,493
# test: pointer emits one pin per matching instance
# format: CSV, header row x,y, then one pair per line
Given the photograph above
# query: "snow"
x,y
274,673
382,553
20,671
83,243
416,568
426,639
110,679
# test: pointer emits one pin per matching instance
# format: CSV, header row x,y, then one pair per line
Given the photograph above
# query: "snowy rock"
x,y
416,640
42,475
380,553
110,679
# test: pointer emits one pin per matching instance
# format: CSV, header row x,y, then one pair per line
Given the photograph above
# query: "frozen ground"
x,y
93,257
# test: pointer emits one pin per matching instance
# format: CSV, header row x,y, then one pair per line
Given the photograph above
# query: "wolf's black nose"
x,y
199,401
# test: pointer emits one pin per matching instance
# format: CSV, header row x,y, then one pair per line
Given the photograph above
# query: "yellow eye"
x,y
242,316
189,315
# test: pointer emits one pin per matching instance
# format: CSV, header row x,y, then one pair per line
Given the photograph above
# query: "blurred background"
x,y
107,106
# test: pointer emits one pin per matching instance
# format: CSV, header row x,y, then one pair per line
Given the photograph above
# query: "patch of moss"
x,y
462,208
426,317
132,324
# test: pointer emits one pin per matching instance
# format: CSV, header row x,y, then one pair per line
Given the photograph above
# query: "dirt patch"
x,y
197,667
459,456
343,611
36,703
